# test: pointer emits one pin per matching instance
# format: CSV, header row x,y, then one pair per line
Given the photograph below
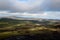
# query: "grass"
x,y
31,31
10,27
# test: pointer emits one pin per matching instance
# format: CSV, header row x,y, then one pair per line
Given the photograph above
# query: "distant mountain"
x,y
38,19
22,18
17,20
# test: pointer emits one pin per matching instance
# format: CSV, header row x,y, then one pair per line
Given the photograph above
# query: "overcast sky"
x,y
30,8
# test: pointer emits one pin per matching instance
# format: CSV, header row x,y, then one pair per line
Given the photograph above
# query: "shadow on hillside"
x,y
46,36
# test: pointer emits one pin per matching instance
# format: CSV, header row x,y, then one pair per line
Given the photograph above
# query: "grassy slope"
x,y
10,27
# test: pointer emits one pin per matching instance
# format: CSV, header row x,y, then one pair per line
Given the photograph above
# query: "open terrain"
x,y
16,29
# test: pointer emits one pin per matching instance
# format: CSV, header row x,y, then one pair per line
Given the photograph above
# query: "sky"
x,y
49,9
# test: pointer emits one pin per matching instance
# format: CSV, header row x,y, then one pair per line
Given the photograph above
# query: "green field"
x,y
14,27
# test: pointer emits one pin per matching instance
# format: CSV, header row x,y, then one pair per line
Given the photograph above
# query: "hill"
x,y
19,26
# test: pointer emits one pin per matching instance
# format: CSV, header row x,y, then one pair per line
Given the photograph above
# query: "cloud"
x,y
18,6
29,5
4,5
52,5
53,15
30,8
48,15
25,14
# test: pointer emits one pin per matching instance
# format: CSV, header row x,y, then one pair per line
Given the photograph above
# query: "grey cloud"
x,y
47,5
4,5
7,5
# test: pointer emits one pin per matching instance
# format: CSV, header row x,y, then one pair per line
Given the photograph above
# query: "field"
x,y
13,29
